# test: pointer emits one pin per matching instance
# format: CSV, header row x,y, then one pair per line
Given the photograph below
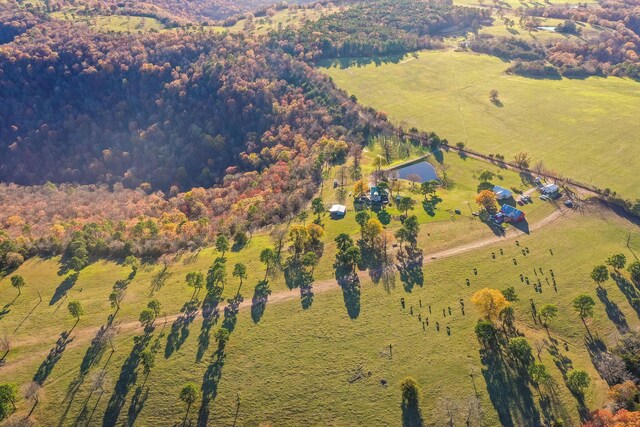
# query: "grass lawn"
x,y
585,129
294,366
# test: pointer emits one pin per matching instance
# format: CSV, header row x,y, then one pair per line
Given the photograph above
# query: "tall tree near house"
x,y
487,200
317,207
490,302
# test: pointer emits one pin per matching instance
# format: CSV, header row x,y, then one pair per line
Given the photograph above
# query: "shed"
x,y
501,193
512,214
338,211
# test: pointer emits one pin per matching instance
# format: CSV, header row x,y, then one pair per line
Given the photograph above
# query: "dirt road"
x,y
83,335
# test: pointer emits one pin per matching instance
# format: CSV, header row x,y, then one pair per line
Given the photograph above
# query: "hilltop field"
x,y
325,347
583,128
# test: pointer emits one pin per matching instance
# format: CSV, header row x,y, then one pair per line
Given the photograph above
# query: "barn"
x,y
512,214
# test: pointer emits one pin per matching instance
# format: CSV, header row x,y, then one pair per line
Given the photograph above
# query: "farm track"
x,y
84,335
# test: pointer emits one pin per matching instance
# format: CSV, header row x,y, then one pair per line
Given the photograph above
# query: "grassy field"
x,y
294,364
282,19
118,23
327,364
585,129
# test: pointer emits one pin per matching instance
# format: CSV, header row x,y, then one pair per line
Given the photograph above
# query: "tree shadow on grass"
x,y
410,268
411,415
139,398
296,276
231,312
210,382
54,356
509,391
64,287
562,362
613,311
180,328
350,285
259,301
629,291
210,315
128,377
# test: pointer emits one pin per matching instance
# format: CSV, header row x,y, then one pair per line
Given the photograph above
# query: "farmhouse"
x,y
512,214
501,193
338,211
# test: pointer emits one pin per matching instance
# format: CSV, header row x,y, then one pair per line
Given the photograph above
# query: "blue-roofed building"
x,y
501,193
512,214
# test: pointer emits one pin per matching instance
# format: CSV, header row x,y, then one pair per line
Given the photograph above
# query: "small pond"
x,y
418,172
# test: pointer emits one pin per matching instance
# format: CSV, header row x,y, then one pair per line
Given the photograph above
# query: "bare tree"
x,y
32,392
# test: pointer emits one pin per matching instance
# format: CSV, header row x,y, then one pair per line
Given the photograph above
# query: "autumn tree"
x,y
359,188
298,236
624,395
487,200
489,302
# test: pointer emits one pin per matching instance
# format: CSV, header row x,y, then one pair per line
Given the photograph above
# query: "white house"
x,y
338,211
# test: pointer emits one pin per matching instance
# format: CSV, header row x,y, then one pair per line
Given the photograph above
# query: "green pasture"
x,y
117,23
584,128
321,366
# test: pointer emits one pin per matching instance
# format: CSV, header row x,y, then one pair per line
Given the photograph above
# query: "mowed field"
x,y
585,129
